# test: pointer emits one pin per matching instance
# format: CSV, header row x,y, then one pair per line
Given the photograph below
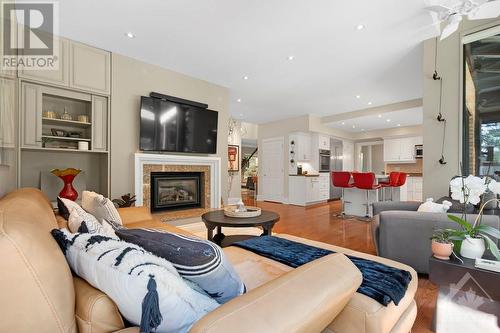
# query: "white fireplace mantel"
x,y
212,162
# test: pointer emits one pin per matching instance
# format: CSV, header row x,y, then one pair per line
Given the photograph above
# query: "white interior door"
x,y
272,180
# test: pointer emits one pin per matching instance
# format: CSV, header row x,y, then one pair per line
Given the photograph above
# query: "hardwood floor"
x,y
319,223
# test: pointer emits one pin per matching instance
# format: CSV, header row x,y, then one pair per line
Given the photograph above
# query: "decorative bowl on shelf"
x,y
50,114
83,118
237,211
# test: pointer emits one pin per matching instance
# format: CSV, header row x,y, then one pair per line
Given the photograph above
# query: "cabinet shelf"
x,y
64,150
64,138
64,122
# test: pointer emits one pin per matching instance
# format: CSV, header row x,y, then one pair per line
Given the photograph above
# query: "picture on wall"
x,y
233,157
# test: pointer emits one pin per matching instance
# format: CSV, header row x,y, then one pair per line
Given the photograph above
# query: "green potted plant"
x,y
475,238
442,245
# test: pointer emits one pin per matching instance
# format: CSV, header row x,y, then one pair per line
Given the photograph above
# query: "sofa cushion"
x,y
197,260
100,206
363,314
137,281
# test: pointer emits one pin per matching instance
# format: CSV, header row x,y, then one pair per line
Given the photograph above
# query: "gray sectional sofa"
x,y
401,233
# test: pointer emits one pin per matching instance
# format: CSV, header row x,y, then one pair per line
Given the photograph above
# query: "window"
x,y
481,115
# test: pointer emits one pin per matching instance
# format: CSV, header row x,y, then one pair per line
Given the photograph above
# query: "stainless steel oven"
x,y
324,160
419,151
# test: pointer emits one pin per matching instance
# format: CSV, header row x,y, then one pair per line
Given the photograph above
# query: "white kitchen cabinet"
x,y
305,190
414,189
301,147
323,142
400,150
392,150
324,186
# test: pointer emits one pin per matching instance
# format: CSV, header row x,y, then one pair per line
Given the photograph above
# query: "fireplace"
x,y
176,190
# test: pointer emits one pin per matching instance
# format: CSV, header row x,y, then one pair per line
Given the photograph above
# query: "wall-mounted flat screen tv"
x,y
176,127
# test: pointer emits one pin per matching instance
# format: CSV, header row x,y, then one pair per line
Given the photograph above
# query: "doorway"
x,y
272,162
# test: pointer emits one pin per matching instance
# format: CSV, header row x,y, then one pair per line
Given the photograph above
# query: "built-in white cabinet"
x,y
58,76
300,146
79,67
100,123
90,68
59,119
31,115
400,150
8,113
305,190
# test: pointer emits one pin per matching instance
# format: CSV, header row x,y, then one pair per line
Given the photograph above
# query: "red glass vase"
x,y
67,176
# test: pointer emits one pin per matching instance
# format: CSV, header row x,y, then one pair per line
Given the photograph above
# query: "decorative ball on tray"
x,y
242,211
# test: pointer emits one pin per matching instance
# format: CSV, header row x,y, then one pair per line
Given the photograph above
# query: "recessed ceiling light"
x,y
388,120
353,126
399,125
360,27
291,57
358,96
130,35
380,116
245,77
370,103
238,100
343,123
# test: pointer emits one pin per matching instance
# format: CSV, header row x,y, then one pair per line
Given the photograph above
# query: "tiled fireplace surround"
x,y
147,163
146,179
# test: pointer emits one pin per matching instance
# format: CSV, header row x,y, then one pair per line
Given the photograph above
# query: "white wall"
x,y
449,64
132,79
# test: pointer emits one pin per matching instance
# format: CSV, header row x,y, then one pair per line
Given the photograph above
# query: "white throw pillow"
x,y
78,216
100,206
431,207
133,278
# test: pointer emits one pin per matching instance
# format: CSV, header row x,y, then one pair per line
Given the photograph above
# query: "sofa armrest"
x,y
306,299
95,312
382,206
405,236
134,214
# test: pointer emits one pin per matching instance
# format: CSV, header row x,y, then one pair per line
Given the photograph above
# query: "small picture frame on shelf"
x,y
58,132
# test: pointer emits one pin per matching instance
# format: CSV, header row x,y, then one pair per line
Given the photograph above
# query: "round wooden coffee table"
x,y
217,219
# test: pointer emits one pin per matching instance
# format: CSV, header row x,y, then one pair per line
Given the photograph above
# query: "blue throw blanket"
x,y
380,282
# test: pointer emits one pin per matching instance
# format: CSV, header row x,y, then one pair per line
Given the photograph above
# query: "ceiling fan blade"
x,y
449,29
487,10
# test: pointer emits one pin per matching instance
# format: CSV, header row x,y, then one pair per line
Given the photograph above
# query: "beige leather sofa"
x,y
39,294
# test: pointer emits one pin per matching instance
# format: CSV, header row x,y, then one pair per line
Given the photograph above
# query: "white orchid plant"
x,y
470,190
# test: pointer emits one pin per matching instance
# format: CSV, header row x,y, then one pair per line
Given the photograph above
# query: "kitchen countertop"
x,y
308,175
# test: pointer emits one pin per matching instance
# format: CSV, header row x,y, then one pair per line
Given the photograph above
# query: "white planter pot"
x,y
472,248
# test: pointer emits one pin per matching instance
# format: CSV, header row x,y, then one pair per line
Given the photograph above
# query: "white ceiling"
x,y
221,41
402,118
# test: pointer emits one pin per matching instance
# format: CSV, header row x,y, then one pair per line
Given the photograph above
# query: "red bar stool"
x,y
341,179
366,181
393,182
401,180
